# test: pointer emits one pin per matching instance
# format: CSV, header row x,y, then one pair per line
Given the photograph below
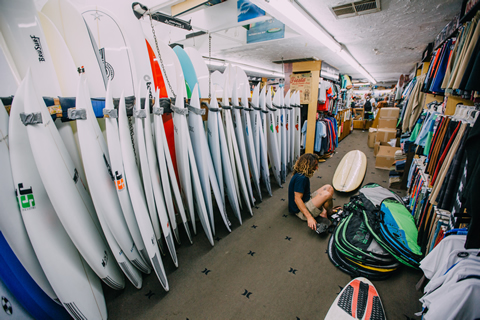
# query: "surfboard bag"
x,y
399,230
376,193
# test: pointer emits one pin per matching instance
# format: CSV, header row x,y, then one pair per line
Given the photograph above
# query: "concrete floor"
x,y
271,267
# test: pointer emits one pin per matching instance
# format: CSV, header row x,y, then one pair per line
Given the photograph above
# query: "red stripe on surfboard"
x,y
167,118
356,289
371,293
156,72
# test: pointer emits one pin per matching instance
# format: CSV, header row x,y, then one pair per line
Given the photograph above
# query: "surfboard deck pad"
x,y
358,300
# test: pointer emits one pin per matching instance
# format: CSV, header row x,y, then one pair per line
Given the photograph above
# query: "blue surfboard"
x,y
25,289
188,70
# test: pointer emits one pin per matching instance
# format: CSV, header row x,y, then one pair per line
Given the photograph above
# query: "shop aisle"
x,y
271,267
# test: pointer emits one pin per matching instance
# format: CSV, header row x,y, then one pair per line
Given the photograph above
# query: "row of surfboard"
x,y
84,200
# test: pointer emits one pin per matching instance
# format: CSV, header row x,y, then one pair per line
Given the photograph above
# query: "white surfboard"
x,y
137,195
228,135
298,129
11,222
219,156
233,145
73,281
256,122
186,164
240,139
164,158
144,127
250,146
277,116
199,139
196,130
283,138
291,128
287,110
102,188
71,202
115,152
230,187
158,150
358,300
273,152
257,128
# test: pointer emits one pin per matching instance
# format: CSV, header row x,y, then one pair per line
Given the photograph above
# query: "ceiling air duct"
x,y
356,8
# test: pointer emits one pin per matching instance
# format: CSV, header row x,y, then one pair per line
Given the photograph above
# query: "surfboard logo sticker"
x,y
37,45
7,306
108,67
296,126
271,127
276,128
119,181
25,197
286,126
105,259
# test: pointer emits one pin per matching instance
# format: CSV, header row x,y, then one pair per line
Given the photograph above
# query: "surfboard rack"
x,y
140,10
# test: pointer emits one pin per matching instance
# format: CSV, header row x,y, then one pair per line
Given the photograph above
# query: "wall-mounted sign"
x,y
302,82
247,10
329,72
265,30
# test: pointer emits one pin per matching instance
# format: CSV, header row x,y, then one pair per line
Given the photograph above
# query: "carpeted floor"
x,y
271,267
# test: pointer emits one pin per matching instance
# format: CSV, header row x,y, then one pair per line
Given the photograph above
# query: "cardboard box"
x,y
377,146
358,124
372,133
386,134
385,157
387,123
389,113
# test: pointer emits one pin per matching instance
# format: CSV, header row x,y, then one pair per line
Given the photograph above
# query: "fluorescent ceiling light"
x,y
286,12
289,14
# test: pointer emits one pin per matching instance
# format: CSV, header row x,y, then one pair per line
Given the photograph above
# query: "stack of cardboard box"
x,y
385,133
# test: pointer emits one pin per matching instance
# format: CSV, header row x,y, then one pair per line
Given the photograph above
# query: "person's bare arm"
x,y
312,223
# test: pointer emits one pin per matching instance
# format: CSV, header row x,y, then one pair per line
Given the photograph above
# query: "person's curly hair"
x,y
306,165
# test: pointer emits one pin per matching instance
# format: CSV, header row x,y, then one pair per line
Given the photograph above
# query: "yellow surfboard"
x,y
350,171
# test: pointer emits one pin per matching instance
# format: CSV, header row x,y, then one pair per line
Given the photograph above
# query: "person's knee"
x,y
328,189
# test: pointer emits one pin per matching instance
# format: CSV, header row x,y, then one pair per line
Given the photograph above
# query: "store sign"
x,y
247,10
329,72
302,82
265,30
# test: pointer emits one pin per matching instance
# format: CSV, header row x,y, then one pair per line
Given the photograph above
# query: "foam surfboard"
x,y
25,289
144,127
218,148
350,171
102,188
11,306
204,160
273,152
73,281
358,300
137,195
